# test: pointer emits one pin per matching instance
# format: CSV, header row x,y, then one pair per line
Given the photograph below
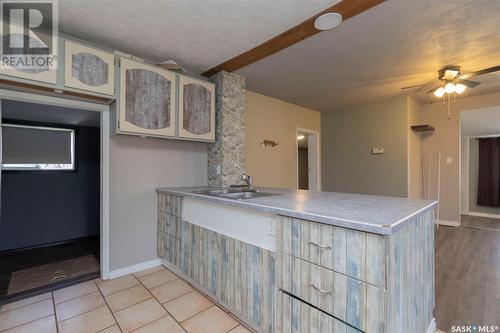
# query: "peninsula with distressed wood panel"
x,y
304,261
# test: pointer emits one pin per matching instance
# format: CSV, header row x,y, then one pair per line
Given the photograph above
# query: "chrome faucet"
x,y
249,183
248,179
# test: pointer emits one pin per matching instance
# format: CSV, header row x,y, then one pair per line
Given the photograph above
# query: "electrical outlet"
x,y
271,227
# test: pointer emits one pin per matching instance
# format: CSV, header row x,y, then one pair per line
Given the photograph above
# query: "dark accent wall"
x,y
303,166
46,207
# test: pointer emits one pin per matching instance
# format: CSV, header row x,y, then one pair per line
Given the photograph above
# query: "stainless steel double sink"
x,y
236,193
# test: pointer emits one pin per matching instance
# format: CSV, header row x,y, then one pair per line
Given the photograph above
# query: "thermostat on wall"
x,y
377,150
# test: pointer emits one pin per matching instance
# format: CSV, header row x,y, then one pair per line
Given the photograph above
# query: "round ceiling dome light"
x,y
327,21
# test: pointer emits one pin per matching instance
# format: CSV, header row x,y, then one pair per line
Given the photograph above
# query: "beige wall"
x,y
273,119
414,150
349,134
137,167
445,139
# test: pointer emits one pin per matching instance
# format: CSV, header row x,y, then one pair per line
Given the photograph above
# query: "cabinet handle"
x,y
326,247
319,289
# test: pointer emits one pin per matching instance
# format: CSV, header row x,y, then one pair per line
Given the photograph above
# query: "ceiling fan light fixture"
x,y
449,88
439,92
327,21
460,88
451,74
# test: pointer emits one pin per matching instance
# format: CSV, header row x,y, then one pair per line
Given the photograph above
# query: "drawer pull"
x,y
326,247
319,289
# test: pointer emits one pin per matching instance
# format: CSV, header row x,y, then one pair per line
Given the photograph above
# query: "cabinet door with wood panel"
x,y
196,109
147,100
88,69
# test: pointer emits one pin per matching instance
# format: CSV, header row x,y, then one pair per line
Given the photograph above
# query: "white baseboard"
x,y
479,214
432,326
448,223
134,268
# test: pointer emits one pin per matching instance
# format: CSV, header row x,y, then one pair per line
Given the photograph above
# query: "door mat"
x,y
39,276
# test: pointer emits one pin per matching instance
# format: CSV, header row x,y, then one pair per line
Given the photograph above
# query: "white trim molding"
x,y
479,214
432,326
448,223
134,268
317,135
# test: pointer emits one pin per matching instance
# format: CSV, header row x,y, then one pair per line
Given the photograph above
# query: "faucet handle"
x,y
244,177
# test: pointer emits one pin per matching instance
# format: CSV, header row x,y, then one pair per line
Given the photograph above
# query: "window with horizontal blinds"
x,y
37,148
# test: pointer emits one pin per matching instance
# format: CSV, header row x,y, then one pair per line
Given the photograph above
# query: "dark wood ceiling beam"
x,y
346,8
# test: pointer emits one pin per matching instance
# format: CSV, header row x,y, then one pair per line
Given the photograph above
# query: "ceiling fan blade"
x,y
421,86
433,83
481,72
469,83
415,86
433,88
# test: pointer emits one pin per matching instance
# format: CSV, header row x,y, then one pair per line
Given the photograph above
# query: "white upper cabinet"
x,y
88,69
196,109
147,100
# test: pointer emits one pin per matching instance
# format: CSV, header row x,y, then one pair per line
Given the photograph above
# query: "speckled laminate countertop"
x,y
371,213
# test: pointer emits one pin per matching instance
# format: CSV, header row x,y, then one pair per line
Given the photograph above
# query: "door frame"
x,y
317,148
105,133
465,210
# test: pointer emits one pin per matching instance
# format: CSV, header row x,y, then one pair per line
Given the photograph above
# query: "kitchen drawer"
x,y
170,204
169,248
355,302
169,224
295,316
357,254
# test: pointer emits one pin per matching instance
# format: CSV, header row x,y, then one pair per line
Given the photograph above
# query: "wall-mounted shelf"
x,y
422,128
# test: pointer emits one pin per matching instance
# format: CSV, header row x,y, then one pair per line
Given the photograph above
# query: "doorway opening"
x,y
308,160
479,168
469,250
50,216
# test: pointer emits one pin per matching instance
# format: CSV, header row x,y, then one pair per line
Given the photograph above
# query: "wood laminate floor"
x,y
486,223
467,276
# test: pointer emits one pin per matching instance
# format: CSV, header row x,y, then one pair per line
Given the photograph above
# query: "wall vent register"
x,y
32,148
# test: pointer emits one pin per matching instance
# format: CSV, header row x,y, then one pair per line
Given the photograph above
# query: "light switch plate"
x,y
449,160
377,150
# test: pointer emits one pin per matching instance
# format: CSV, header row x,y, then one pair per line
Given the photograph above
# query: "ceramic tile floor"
x,y
151,301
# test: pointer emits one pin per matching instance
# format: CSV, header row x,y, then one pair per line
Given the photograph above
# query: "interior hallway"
x,y
468,273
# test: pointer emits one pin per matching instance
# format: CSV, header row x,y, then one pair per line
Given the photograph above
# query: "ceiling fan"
x,y
451,82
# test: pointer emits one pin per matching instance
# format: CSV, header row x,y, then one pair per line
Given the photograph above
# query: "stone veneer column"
x,y
228,151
